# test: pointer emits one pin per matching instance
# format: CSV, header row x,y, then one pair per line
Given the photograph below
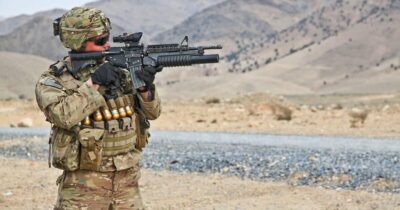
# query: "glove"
x,y
106,75
147,74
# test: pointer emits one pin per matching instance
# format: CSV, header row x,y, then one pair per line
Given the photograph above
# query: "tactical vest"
x,y
91,144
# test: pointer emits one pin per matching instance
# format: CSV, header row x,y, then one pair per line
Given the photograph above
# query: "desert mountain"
x,y
19,73
30,33
333,46
10,24
150,16
36,37
342,47
234,21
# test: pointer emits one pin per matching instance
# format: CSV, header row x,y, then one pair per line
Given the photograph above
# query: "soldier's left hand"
x,y
147,74
106,75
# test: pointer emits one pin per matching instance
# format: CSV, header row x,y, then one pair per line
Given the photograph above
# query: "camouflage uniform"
x,y
100,161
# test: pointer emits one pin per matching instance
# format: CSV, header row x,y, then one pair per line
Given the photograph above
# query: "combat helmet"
x,y
79,25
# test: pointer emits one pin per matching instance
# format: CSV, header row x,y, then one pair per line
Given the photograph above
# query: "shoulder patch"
x,y
51,82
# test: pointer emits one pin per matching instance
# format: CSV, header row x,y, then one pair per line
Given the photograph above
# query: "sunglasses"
x,y
101,40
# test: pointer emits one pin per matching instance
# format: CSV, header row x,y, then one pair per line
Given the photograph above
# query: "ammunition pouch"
x,y
91,141
64,149
118,137
142,130
118,143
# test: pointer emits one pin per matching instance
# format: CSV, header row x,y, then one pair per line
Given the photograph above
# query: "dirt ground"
x,y
257,113
167,190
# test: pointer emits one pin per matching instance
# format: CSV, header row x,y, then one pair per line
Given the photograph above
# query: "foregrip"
x,y
186,60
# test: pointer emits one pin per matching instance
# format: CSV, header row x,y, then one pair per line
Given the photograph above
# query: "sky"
x,y
9,8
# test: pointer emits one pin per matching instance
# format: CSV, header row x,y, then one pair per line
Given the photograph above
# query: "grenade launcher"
x,y
134,56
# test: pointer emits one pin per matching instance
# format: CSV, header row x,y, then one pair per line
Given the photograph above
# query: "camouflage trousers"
x,y
84,189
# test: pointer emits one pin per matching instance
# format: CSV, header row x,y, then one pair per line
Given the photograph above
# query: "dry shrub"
x,y
278,111
281,112
358,116
335,106
391,109
278,107
259,109
213,101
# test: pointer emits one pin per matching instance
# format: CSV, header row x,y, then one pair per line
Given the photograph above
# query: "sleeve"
x,y
151,109
66,108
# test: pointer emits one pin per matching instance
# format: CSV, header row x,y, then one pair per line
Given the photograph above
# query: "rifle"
x,y
134,56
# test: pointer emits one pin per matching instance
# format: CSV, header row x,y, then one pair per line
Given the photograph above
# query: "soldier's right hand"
x,y
106,75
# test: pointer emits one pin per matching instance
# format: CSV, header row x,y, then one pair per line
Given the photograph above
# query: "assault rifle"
x,y
134,56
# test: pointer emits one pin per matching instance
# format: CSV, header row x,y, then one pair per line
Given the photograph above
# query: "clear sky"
x,y
9,8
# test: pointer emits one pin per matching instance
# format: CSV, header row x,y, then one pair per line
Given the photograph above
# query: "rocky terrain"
x,y
235,175
206,191
357,167
227,171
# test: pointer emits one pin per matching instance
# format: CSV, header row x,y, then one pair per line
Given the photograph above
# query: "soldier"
x,y
97,147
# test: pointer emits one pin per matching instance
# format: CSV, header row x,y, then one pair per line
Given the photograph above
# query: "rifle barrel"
x,y
186,60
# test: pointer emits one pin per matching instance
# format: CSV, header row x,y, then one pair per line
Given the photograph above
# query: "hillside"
x,y
7,25
36,37
338,44
235,21
338,48
29,33
19,73
151,17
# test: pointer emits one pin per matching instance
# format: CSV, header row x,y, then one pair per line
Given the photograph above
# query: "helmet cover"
x,y
81,24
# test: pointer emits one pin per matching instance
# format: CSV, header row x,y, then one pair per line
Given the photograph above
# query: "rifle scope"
x,y
135,37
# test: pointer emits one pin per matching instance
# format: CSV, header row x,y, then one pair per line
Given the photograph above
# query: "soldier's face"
x,y
100,43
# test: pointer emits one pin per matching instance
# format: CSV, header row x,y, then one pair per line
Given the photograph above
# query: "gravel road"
x,y
330,162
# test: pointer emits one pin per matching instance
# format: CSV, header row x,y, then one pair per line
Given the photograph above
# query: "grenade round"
x,y
129,111
86,121
115,114
122,112
97,116
107,114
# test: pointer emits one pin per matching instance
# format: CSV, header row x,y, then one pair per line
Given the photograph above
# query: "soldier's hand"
x,y
147,74
106,75
89,82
